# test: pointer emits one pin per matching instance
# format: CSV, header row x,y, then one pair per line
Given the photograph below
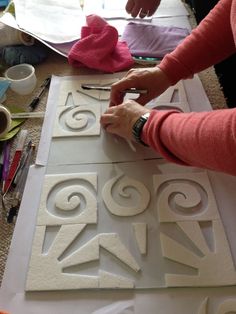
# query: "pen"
x,y
108,89
37,98
15,161
1,163
22,164
23,175
6,163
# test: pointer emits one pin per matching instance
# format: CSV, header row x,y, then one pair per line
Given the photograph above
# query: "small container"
x,y
5,120
22,78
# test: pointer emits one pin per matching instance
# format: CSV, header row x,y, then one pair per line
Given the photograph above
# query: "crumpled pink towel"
x,y
99,48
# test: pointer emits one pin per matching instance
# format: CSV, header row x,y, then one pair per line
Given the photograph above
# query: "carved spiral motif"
x,y
226,307
76,119
183,198
126,190
79,119
71,200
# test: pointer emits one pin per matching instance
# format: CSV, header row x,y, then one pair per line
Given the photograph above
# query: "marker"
x,y
15,161
18,193
36,99
108,89
6,163
1,163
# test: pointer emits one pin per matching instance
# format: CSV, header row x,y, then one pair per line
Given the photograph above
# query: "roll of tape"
x,y
5,120
11,36
26,39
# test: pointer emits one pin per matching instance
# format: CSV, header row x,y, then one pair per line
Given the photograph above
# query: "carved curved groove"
x,y
82,120
123,184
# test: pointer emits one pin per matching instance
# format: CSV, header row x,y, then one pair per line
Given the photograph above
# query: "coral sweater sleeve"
x,y
201,139
211,42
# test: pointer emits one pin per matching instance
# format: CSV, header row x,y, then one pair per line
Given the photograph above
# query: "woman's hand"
x,y
154,80
120,119
142,7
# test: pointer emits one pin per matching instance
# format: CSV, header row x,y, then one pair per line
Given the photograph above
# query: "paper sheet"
x,y
57,22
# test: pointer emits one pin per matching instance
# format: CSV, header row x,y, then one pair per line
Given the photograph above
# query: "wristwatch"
x,y
138,127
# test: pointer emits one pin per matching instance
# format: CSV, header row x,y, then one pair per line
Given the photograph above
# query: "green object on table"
x,y
15,124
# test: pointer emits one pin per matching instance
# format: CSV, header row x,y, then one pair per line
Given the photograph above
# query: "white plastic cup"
x,y
22,78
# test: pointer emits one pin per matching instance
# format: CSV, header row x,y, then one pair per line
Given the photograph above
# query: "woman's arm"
x,y
204,139
211,42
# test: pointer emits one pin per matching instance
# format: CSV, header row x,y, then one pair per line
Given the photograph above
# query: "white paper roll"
x,y
5,120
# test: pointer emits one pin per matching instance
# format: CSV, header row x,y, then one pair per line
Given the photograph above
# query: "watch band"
x,y
138,127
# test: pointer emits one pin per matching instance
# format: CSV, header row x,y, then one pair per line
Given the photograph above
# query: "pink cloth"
x,y
99,48
204,139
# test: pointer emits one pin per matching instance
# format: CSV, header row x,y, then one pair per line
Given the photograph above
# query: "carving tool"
x,y
108,89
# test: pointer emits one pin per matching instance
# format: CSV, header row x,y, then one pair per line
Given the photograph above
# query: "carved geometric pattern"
x,y
203,307
50,266
140,232
186,200
94,225
228,306
173,98
209,266
79,95
180,200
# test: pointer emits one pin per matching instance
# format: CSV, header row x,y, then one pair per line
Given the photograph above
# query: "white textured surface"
x,y
140,232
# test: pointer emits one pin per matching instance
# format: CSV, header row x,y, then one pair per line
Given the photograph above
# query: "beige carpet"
x,y
57,65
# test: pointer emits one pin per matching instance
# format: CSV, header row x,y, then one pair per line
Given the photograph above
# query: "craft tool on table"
x,y
6,163
26,115
15,161
22,164
1,163
108,89
21,181
38,97
5,121
6,118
